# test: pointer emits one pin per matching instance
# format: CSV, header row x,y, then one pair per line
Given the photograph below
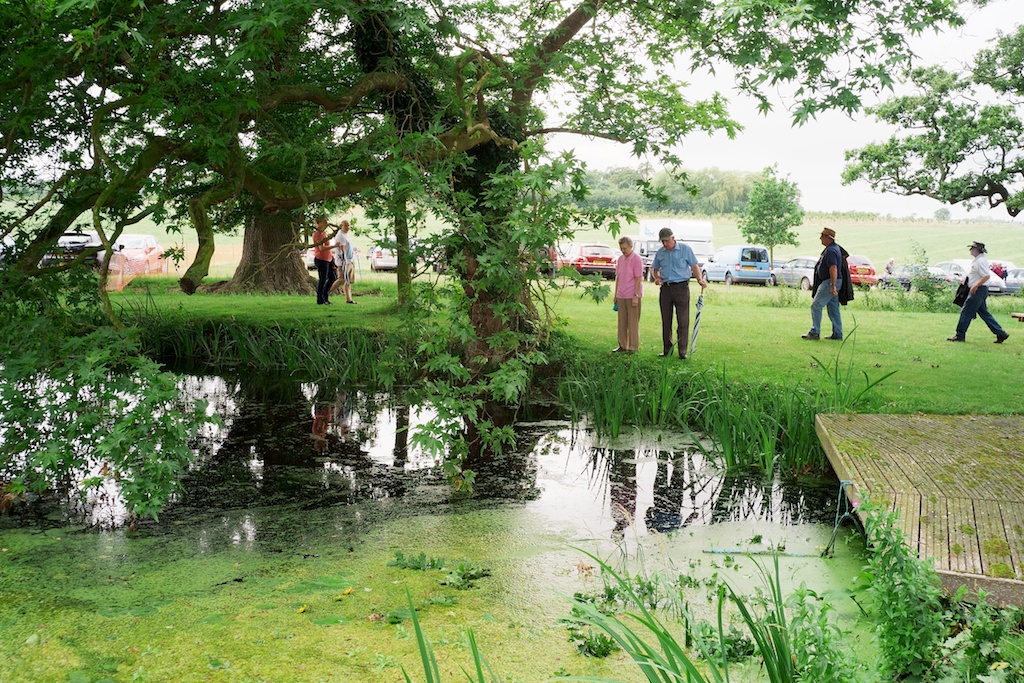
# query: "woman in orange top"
x,y
324,260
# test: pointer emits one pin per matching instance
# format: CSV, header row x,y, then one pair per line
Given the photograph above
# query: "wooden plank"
x,y
956,482
1013,523
908,505
995,547
864,472
935,530
964,549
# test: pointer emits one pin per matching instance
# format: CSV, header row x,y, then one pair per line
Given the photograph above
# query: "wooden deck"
x,y
957,483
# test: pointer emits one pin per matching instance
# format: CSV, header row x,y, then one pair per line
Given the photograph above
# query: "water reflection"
x,y
344,455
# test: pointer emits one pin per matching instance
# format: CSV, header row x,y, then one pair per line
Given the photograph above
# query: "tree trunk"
x,y
400,212
271,260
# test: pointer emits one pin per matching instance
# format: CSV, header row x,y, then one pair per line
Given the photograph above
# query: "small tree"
x,y
772,212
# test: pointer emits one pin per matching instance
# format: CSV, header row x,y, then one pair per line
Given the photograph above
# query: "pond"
x,y
288,556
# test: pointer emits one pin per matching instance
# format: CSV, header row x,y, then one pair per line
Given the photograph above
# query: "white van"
x,y
739,263
695,234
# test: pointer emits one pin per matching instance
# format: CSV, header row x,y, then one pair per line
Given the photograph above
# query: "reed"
x,y
838,390
351,355
765,425
804,647
431,674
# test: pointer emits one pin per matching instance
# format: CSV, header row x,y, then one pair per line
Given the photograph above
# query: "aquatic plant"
x,y
906,595
804,647
418,562
838,392
356,355
464,575
431,674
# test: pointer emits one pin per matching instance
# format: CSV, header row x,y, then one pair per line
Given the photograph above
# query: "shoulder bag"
x,y
962,292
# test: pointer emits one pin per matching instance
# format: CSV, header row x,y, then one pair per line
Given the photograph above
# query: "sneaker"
x,y
1000,338
351,302
835,337
618,349
955,338
811,335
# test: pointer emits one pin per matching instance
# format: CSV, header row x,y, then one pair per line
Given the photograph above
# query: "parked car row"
x,y
134,254
799,272
908,275
733,263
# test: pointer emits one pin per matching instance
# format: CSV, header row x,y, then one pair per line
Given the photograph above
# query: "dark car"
x,y
590,259
70,245
647,249
907,277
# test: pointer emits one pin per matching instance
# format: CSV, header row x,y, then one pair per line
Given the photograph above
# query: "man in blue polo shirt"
x,y
673,266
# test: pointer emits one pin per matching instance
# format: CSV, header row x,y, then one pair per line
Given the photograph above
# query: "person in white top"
x,y
976,301
343,258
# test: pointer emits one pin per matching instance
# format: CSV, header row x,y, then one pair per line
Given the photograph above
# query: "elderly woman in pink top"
x,y
629,274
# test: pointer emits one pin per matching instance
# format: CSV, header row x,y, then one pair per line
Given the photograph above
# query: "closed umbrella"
x,y
696,323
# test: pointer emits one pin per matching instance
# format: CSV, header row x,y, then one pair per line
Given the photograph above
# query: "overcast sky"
x,y
813,155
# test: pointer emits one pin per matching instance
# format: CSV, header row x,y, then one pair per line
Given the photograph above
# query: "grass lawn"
x,y
751,333
748,335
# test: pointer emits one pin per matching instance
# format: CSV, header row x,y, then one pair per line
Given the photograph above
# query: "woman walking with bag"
x,y
976,304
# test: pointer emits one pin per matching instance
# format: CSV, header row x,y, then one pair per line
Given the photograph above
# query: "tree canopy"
x,y
962,135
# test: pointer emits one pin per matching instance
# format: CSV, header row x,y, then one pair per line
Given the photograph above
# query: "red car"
x,y
862,272
590,259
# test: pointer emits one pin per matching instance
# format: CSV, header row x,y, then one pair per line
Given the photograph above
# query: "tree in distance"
x,y
772,212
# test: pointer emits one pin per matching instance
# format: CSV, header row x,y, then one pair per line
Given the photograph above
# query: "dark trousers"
x,y
675,297
325,278
977,305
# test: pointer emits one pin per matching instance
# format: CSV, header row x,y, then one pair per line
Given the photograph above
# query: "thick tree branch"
x,y
574,131
367,85
552,43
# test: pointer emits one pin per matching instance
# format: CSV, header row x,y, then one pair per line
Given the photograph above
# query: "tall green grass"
x,y
349,355
804,646
431,673
764,425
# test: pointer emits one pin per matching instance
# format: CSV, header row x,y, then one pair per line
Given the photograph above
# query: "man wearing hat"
x,y
976,301
832,287
673,266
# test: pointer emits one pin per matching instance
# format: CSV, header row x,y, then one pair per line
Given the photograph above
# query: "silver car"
x,y
956,270
1014,281
796,272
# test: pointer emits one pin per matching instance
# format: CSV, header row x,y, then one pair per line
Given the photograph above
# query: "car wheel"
x,y
705,274
728,278
773,281
805,284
